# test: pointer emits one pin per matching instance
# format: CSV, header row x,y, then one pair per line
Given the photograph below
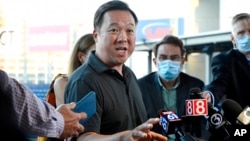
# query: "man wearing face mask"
x,y
169,87
231,70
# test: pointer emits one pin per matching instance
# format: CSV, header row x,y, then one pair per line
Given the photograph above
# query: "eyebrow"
x,y
116,24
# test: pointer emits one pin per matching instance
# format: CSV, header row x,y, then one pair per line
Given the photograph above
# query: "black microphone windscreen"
x,y
231,110
195,90
194,93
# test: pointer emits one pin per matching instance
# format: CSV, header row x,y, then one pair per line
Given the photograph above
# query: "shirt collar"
x,y
98,65
176,84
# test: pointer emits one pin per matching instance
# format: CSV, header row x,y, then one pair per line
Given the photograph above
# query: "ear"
x,y
154,61
80,57
95,34
233,40
183,59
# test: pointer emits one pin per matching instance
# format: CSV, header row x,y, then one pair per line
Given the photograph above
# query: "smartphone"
x,y
86,104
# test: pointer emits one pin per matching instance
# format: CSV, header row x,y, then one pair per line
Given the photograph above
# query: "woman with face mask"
x,y
168,87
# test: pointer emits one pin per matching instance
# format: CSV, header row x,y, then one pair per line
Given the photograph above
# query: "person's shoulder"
x,y
190,77
149,76
226,58
3,73
61,81
82,70
226,54
83,74
4,78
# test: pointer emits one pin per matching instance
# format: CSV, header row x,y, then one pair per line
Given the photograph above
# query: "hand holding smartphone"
x,y
87,104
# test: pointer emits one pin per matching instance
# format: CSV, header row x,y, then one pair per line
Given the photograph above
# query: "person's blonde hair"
x,y
83,45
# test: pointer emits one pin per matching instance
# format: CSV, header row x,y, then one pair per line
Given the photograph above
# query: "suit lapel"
x,y
157,96
243,65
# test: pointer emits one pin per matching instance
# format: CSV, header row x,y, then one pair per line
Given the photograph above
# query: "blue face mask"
x,y
169,70
243,43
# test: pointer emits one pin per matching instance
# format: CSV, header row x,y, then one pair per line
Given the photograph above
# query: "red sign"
x,y
196,107
49,38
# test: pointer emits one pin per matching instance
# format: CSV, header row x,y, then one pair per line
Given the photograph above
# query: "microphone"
x,y
234,112
194,93
244,116
239,118
171,123
196,105
217,124
168,121
196,108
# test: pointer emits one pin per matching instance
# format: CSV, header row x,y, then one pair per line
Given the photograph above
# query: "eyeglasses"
x,y
171,57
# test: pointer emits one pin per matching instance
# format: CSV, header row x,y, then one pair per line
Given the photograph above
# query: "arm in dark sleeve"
x,y
222,76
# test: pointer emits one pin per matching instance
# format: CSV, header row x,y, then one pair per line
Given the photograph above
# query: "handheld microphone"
x,y
194,93
196,108
244,116
196,105
234,112
215,118
240,119
168,121
217,124
171,123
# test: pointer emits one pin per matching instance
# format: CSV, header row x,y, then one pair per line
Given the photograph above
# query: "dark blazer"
x,y
231,77
152,96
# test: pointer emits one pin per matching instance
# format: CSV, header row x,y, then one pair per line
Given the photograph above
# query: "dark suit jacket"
x,y
152,96
231,77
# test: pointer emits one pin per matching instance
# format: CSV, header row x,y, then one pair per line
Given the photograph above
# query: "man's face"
x,y
170,52
241,28
115,40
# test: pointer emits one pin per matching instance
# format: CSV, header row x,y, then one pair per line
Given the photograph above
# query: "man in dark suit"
x,y
231,70
168,88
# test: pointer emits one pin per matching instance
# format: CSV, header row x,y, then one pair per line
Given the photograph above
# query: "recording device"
x,y
239,118
171,124
196,105
231,110
87,104
168,121
217,124
234,112
196,109
244,116
194,93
